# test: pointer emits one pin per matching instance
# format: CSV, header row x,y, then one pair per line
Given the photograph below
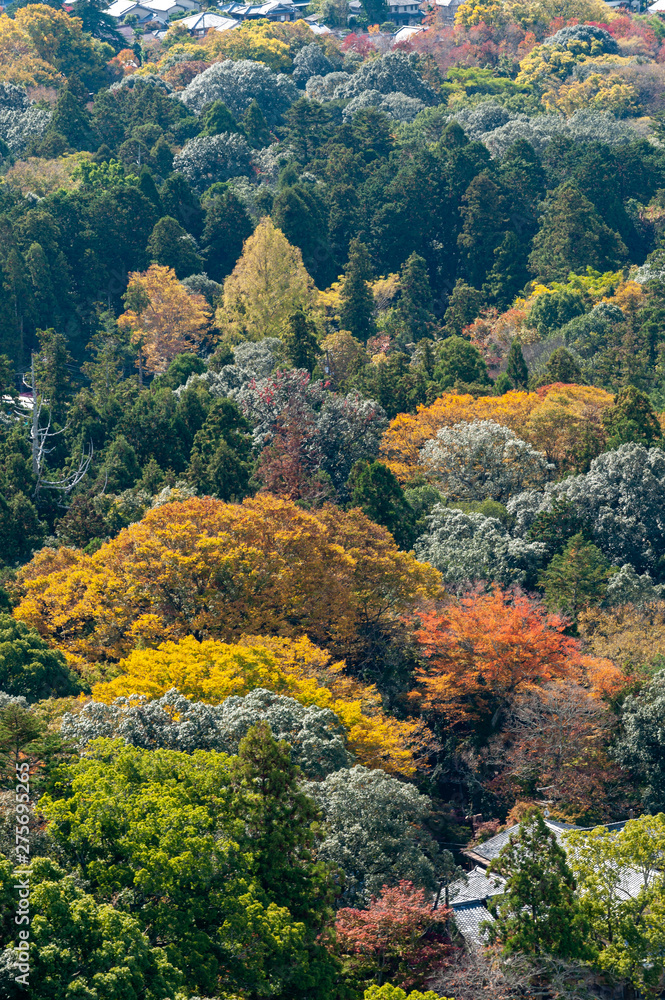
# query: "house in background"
x,y
150,10
199,24
273,10
469,897
404,12
447,9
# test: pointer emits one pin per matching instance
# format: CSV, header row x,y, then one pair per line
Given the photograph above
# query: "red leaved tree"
x,y
399,938
483,649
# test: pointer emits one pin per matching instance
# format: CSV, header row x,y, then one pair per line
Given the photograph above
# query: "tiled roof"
x,y
468,918
476,886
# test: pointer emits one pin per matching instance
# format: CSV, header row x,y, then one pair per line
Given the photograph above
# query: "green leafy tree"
x,y
80,946
164,833
29,667
538,912
632,419
171,246
627,932
415,303
459,361
302,347
356,312
376,490
576,577
517,371
220,461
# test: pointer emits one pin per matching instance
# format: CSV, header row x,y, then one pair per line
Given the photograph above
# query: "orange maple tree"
x,y
486,647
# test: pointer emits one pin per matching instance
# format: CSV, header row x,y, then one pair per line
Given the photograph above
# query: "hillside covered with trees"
x,y
332,502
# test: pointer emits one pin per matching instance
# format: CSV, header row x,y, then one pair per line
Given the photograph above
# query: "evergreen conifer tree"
x,y
357,309
256,127
632,419
227,226
170,246
538,912
576,577
415,304
302,347
517,371
216,118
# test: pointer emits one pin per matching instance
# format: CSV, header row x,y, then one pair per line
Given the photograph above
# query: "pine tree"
x,y
226,228
632,419
517,371
170,246
576,577
302,347
415,303
538,912
357,309
573,237
71,120
256,127
216,118
376,490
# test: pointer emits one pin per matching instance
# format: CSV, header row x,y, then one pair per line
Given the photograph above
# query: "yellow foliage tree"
x,y
218,570
568,425
43,46
603,93
211,671
252,40
342,356
563,421
265,288
164,318
632,638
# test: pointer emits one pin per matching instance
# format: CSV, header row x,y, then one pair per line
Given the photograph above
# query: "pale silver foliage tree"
x,y
471,547
483,461
237,84
315,735
212,158
373,831
621,497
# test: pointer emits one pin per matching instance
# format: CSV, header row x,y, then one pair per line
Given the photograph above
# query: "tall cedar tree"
x,y
576,578
573,237
357,309
277,818
415,303
538,912
170,246
227,226
302,347
376,490
516,370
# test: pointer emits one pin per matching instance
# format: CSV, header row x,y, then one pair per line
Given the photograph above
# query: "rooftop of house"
x,y
468,896
206,19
